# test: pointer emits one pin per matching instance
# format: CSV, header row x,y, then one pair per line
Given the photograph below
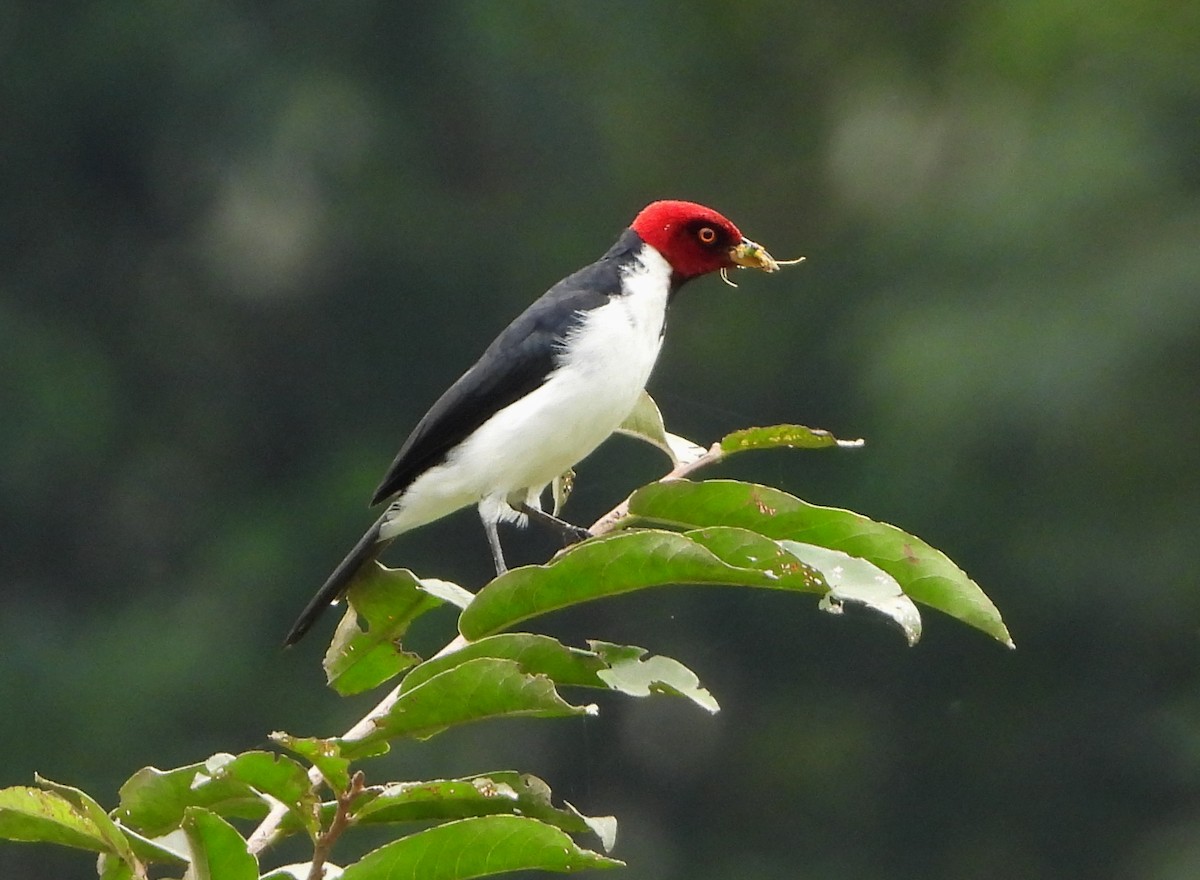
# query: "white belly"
x,y
524,446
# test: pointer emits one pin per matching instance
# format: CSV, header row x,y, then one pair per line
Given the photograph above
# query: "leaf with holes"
x,y
382,604
36,815
856,580
614,667
926,575
782,437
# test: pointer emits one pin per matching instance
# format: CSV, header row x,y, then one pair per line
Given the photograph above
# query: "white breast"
x,y
606,363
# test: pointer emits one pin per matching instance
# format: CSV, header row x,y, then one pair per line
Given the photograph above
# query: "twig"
x,y
341,821
612,519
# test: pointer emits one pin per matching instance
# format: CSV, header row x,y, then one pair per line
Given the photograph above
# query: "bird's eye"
x,y
707,235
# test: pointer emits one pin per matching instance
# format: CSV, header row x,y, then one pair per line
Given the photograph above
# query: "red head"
x,y
697,240
694,239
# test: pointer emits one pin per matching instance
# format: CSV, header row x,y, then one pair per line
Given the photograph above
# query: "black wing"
x,y
517,362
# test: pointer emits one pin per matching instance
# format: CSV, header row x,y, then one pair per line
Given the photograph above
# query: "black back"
x,y
517,362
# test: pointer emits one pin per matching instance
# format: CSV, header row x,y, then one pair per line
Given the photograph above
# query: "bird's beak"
x,y
749,255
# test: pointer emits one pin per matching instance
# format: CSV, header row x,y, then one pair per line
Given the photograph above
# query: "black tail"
x,y
366,550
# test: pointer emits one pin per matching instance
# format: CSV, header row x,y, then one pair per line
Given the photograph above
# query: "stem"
x,y
341,821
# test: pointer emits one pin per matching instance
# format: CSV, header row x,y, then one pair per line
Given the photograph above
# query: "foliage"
x,y
719,532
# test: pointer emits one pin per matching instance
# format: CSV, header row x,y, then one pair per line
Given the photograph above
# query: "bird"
x,y
548,390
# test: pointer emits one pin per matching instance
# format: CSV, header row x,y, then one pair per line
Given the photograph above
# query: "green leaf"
x,y
153,801
37,815
779,436
112,868
170,848
83,804
613,667
387,600
34,815
630,674
504,792
856,580
477,848
218,851
536,654
627,561
324,754
925,574
267,773
646,423
472,691
276,776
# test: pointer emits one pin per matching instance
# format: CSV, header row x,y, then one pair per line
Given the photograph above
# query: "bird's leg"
x,y
570,533
493,537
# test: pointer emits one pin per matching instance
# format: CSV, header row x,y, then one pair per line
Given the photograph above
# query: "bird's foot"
x,y
569,532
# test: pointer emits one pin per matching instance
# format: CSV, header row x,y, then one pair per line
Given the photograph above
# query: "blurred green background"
x,y
244,245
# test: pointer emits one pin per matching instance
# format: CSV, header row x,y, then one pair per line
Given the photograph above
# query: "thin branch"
x,y
611,520
341,821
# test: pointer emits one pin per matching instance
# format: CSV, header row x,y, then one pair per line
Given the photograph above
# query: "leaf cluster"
x,y
214,819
